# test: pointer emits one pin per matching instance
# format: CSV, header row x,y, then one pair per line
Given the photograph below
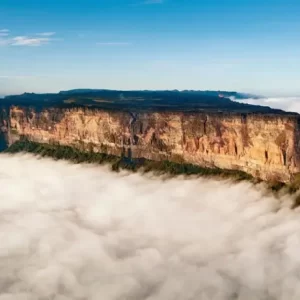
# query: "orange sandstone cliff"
x,y
266,146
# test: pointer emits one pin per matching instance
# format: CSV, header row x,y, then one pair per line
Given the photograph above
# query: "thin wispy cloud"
x,y
4,32
40,39
28,41
46,33
113,44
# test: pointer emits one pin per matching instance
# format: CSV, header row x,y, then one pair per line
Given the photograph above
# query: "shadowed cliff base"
x,y
117,163
60,152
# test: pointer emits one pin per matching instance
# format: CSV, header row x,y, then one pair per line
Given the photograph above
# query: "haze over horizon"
x,y
245,46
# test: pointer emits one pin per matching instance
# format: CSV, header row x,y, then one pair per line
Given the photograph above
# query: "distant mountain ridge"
x,y
225,94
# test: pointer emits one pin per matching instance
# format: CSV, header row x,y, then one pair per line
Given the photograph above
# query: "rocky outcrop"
x,y
266,146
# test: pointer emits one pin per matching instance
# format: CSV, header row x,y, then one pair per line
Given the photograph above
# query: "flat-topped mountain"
x,y
190,127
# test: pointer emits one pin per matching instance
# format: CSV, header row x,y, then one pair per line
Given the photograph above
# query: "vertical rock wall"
x,y
266,146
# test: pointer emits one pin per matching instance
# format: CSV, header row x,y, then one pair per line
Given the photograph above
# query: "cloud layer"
x,y
290,104
4,32
83,232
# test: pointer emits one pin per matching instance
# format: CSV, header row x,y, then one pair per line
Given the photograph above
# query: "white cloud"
x,y
113,44
290,104
46,33
41,39
71,234
4,32
28,41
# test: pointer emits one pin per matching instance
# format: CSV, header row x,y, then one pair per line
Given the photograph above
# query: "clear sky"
x,y
244,45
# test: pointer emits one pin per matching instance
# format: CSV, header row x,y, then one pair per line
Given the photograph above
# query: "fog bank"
x,y
290,104
83,232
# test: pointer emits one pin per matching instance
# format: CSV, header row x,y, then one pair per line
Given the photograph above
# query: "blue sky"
x,y
244,45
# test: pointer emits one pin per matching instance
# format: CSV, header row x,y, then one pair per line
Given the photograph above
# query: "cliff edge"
x,y
265,146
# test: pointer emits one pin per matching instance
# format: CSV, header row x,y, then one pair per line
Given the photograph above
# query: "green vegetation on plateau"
x,y
140,101
134,164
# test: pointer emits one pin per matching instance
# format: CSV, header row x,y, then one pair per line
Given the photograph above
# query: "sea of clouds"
x,y
84,232
290,104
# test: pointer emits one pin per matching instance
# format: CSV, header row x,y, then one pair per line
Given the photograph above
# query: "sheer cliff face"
x,y
265,146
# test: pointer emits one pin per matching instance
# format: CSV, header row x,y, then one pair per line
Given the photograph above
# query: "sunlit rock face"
x,y
265,146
